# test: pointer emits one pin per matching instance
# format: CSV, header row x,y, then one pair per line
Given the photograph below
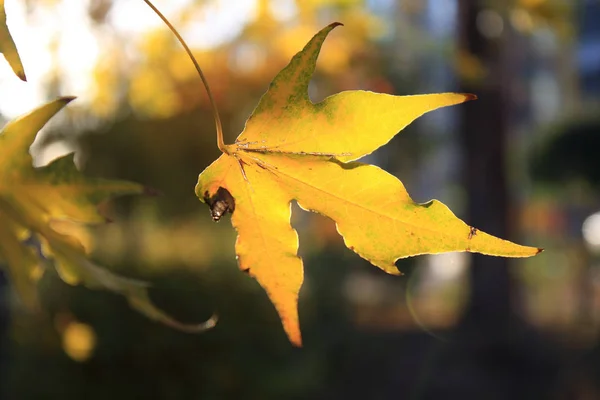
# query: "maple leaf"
x,y
32,199
293,149
8,47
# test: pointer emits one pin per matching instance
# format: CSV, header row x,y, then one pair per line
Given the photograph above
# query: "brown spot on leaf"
x,y
221,203
472,232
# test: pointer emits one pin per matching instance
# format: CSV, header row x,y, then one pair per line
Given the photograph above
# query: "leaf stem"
x,y
220,141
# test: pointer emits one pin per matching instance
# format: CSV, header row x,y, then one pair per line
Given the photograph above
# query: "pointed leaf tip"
x,y
21,75
66,99
192,328
470,96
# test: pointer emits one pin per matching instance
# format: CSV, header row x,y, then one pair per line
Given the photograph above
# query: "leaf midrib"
x,y
361,206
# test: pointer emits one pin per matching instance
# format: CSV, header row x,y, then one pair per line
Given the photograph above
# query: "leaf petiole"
x,y
220,141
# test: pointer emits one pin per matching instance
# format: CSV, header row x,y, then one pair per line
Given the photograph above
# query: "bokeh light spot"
x,y
490,24
591,230
79,341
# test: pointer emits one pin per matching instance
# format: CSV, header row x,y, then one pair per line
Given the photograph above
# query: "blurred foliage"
x,y
570,154
556,15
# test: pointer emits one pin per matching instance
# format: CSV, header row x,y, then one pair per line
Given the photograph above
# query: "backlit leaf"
x,y
8,47
293,149
31,199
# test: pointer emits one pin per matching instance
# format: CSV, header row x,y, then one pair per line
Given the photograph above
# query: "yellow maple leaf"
x,y
8,47
293,149
32,199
